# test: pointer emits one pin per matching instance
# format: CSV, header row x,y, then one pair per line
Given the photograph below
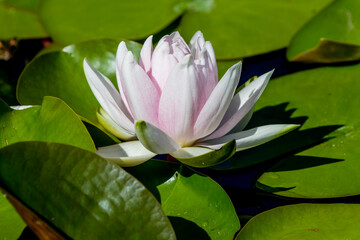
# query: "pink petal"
x,y
145,55
215,107
143,97
197,44
241,104
108,97
207,74
179,102
169,51
120,55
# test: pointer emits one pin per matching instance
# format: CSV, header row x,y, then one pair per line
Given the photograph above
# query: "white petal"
x,y
179,101
108,97
143,97
126,154
120,55
241,104
197,43
21,107
243,122
106,121
210,50
190,152
145,54
218,102
252,137
155,139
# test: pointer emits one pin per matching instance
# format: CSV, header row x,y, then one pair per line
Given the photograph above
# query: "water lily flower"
x,y
171,102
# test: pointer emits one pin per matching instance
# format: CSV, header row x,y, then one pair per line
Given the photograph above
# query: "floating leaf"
x,y
197,206
70,21
329,99
29,5
80,193
305,221
9,220
331,36
18,20
54,121
246,28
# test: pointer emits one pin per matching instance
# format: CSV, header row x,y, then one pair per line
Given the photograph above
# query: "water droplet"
x,y
204,224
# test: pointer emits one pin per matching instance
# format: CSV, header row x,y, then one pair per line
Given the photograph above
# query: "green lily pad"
x,y
9,220
224,65
19,20
54,121
80,193
70,21
306,222
197,207
328,98
246,28
30,5
65,71
331,36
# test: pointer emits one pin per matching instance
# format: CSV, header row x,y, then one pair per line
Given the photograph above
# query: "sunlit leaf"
x,y
19,20
54,121
70,21
246,28
331,36
327,99
9,220
304,221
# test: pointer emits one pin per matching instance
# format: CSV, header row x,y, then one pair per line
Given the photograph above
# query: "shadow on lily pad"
x,y
185,229
287,145
302,162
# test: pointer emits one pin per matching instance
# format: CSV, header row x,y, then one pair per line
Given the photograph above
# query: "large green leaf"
x,y
9,220
82,194
197,206
54,121
246,27
30,5
329,98
331,36
70,21
19,20
305,222
61,74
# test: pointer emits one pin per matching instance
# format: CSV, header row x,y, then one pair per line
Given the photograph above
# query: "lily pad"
x,y
70,21
197,206
61,74
30,5
246,28
53,121
331,36
80,193
305,221
9,220
19,20
328,98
